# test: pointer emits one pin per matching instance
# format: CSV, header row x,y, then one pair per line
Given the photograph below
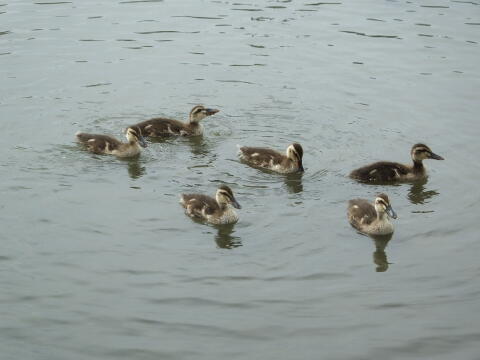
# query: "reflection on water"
x,y
379,255
198,145
225,238
293,182
135,168
418,194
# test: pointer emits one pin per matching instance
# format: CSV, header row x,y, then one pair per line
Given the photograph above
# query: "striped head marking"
x,y
382,205
225,196
134,134
421,152
200,112
295,153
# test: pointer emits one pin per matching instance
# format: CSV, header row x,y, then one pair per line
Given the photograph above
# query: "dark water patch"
x,y
472,23
275,7
373,19
465,2
248,9
4,32
236,81
323,3
192,301
166,32
91,40
125,40
262,18
223,25
198,17
471,42
139,1
5,53
246,65
97,84
422,24
425,35
196,53
435,6
5,258
95,17
53,3
367,35
141,353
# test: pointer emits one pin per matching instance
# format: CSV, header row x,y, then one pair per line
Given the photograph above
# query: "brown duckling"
x,y
166,127
385,171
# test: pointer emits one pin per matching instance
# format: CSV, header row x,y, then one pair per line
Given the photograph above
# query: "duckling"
x,y
165,127
214,211
371,219
273,160
104,144
384,171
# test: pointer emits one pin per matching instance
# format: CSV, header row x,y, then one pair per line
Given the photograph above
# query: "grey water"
x,y
99,261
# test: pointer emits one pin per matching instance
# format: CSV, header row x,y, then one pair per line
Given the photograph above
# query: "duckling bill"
x,y
216,210
371,219
273,160
165,127
385,171
104,144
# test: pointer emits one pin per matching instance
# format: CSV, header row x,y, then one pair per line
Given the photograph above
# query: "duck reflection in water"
x,y
418,193
225,238
293,182
379,255
198,144
135,168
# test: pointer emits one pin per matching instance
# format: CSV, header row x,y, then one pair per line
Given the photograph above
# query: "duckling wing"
x,y
199,205
262,157
161,127
98,144
380,171
361,212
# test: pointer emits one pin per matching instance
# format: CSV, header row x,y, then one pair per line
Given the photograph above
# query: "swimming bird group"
x,y
369,218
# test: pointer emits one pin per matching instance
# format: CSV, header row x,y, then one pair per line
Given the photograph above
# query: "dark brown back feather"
x,y
382,171
99,143
200,202
264,154
161,126
359,209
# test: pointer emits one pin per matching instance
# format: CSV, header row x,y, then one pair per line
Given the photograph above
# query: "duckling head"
x,y
200,112
134,134
421,152
225,196
295,153
382,206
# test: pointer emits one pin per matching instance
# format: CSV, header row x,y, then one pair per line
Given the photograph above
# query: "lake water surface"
x,y
98,260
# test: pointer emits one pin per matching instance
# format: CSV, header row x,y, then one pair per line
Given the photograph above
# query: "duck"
x,y
157,127
385,171
371,218
104,144
216,210
273,160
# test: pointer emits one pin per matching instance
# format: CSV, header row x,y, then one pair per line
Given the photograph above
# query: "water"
x,y
98,260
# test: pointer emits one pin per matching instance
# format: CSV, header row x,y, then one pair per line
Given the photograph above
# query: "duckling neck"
x,y
380,216
418,166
